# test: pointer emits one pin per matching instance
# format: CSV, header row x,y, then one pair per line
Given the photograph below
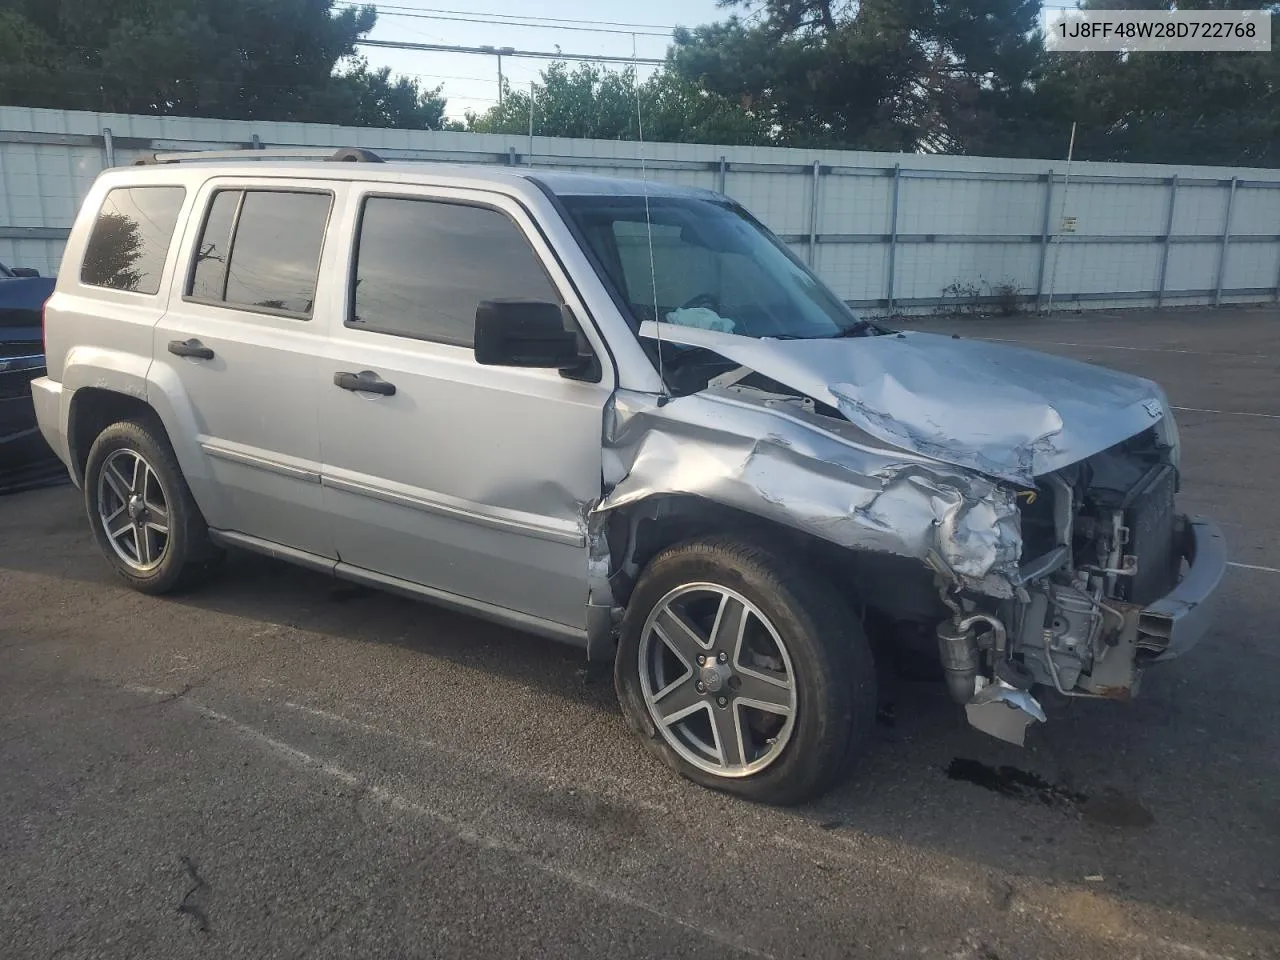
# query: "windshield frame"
x,y
569,205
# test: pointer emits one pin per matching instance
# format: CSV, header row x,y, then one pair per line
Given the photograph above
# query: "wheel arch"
x,y
91,411
159,398
891,587
639,531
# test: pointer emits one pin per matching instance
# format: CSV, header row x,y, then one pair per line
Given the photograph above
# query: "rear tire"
x,y
785,666
141,511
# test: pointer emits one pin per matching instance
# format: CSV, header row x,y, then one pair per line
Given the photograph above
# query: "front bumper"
x,y
1174,624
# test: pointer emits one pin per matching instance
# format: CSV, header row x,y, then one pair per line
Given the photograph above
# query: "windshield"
x,y
713,267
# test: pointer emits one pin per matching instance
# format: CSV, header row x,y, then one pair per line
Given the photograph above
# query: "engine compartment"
x,y
1103,540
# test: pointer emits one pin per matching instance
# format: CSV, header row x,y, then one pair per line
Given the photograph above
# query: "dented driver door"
x,y
471,481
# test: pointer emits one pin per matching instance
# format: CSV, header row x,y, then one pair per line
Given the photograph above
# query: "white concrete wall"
x,y
960,221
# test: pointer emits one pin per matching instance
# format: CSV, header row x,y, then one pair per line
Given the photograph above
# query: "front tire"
x,y
744,671
141,511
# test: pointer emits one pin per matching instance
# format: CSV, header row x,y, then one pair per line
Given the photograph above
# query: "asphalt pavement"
x,y
281,765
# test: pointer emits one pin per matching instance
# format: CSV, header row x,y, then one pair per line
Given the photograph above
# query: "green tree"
x,y
234,59
374,98
1209,108
592,102
927,75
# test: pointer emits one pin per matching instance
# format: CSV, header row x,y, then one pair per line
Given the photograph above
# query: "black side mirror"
x,y
524,333
24,271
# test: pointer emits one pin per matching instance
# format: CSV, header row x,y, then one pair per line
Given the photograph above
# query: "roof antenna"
x,y
664,397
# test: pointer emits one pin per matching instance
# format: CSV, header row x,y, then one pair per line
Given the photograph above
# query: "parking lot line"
x,y
462,830
1230,413
1253,566
1117,346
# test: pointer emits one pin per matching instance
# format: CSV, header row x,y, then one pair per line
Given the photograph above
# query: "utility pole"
x,y
530,123
498,52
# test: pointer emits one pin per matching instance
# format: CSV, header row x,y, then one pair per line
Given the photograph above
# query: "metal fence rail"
x,y
888,232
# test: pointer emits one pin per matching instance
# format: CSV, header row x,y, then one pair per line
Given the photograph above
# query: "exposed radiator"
x,y
1151,519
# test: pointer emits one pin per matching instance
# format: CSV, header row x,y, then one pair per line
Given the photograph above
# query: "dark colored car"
x,y
25,458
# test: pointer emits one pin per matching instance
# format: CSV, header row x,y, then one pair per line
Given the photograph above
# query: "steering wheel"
x,y
702,300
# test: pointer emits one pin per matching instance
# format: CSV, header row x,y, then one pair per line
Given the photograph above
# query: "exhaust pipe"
x,y
999,708
958,647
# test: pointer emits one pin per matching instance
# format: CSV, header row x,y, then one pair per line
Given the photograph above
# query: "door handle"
x,y
366,381
190,348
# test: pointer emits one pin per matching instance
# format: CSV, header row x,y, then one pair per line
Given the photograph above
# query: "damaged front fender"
x,y
801,471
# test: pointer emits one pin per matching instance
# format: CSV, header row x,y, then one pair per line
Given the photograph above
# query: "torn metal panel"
x,y
1003,711
995,409
783,466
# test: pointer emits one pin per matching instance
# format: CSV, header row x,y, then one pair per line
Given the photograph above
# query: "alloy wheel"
x,y
133,510
717,679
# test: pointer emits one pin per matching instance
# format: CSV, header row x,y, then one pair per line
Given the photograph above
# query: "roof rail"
x,y
345,154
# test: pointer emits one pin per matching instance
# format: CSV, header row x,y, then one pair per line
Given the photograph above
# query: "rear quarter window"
x,y
130,240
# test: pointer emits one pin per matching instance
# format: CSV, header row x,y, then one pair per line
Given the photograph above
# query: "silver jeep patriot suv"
x,y
622,415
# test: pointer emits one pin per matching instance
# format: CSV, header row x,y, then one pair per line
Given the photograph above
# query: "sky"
x,y
471,81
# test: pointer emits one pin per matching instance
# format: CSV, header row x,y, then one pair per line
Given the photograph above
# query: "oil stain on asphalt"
x,y
1109,808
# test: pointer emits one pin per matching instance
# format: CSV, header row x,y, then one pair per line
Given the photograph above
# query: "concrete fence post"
x,y
1226,240
892,254
813,216
1046,220
108,147
1168,239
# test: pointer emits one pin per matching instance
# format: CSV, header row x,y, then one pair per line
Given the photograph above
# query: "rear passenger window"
x,y
130,239
261,249
423,266
209,280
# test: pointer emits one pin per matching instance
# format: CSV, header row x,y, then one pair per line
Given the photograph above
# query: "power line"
x,y
507,52
444,76
524,24
522,16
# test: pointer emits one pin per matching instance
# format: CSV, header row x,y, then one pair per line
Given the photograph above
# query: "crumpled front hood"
x,y
1003,411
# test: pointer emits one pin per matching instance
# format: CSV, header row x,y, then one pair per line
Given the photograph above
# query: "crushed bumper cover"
x,y
1172,625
